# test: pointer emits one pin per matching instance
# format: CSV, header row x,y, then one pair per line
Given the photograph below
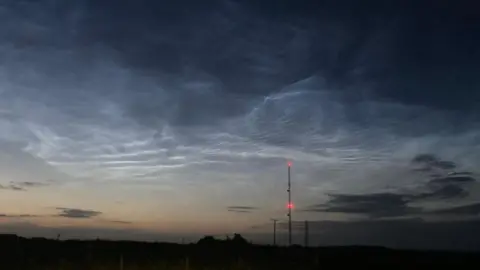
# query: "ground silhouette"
x,y
207,253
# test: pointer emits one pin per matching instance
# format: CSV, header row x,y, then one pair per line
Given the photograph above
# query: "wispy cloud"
x,y
446,186
22,186
70,213
443,192
18,216
30,184
241,209
120,221
430,162
12,187
373,205
77,213
453,179
463,210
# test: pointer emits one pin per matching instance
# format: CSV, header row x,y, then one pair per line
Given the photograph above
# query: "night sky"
x,y
163,120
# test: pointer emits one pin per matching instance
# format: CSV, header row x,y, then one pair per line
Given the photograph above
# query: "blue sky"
x,y
155,119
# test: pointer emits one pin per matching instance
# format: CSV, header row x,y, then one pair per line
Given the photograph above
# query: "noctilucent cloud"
x,y
151,120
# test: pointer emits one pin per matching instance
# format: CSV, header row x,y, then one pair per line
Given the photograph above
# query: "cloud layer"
x,y
447,186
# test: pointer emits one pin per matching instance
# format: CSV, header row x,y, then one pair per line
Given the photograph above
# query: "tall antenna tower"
x,y
289,206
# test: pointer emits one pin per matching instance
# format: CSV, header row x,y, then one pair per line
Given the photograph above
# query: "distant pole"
x,y
306,233
289,206
274,232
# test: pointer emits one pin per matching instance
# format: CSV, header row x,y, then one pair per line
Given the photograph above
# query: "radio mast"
x,y
289,206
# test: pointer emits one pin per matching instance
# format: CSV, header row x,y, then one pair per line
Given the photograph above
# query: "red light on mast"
x,y
290,205
289,164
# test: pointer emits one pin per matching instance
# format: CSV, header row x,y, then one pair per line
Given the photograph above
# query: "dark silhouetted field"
x,y
22,253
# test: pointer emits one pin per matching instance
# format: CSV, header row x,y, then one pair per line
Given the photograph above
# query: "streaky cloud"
x,y
463,210
77,213
243,207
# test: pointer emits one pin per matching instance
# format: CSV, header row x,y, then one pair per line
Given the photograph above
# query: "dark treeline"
x,y
208,253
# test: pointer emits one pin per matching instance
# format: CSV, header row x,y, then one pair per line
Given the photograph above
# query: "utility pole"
x,y
289,206
306,233
274,231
